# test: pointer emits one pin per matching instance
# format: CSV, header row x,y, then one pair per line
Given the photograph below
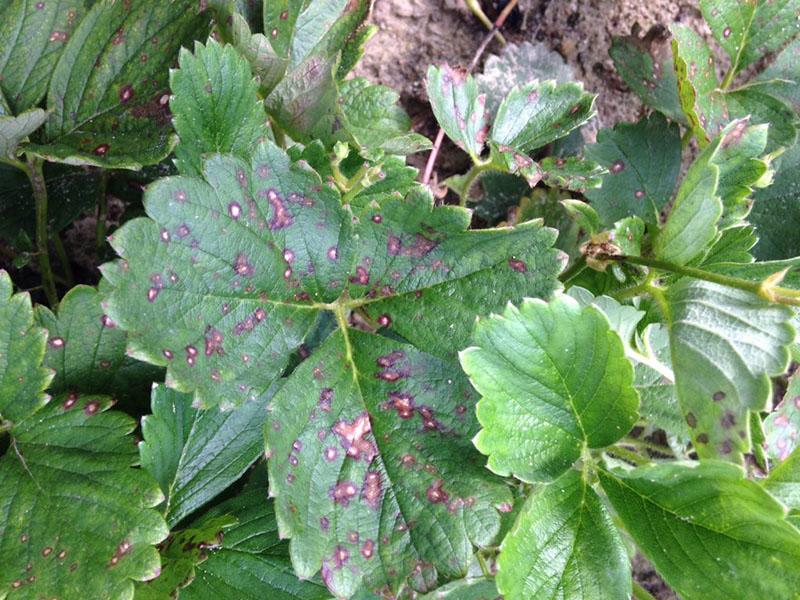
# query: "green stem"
x,y
487,572
477,10
626,454
355,184
64,260
687,138
640,443
640,593
470,178
575,269
726,83
36,177
14,163
771,293
278,134
102,210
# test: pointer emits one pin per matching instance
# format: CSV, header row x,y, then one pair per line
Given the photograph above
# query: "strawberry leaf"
x,y
32,37
784,481
197,454
564,545
215,106
688,518
86,349
643,161
782,426
571,173
108,93
372,467
554,379
13,130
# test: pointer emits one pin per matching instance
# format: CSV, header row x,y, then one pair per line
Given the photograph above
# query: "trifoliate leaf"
x,y
14,130
103,112
250,561
784,481
711,533
643,161
373,470
554,380
197,454
22,346
458,107
750,29
782,426
215,106
564,545
77,518
517,65
533,115
236,268
725,345
571,173
374,120
32,37
86,349
646,65
776,211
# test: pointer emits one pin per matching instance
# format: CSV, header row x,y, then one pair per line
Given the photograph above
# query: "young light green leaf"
x,y
782,426
14,130
458,107
22,346
196,454
571,173
215,106
711,533
103,113
32,37
517,65
643,161
725,345
554,380
533,115
784,481
236,268
373,470
86,349
646,65
564,545
77,519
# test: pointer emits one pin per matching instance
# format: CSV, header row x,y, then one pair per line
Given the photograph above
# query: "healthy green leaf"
x,y
236,268
458,107
32,37
643,161
14,130
372,467
554,380
214,105
197,454
564,545
533,115
466,589
646,65
108,92
783,75
22,346
76,518
711,533
782,426
86,350
725,345
784,481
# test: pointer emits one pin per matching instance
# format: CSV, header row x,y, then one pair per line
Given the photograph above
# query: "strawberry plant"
x,y
305,374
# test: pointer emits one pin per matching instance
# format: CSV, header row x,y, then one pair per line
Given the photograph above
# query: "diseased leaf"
x,y
533,115
572,173
197,454
564,545
554,380
396,489
237,267
517,65
215,106
711,533
109,93
76,517
267,67
646,65
458,107
14,130
782,426
725,345
465,589
784,481
86,349
22,346
32,37
773,25
731,22
643,161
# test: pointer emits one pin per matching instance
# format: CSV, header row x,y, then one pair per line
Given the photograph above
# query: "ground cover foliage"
x,y
303,374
